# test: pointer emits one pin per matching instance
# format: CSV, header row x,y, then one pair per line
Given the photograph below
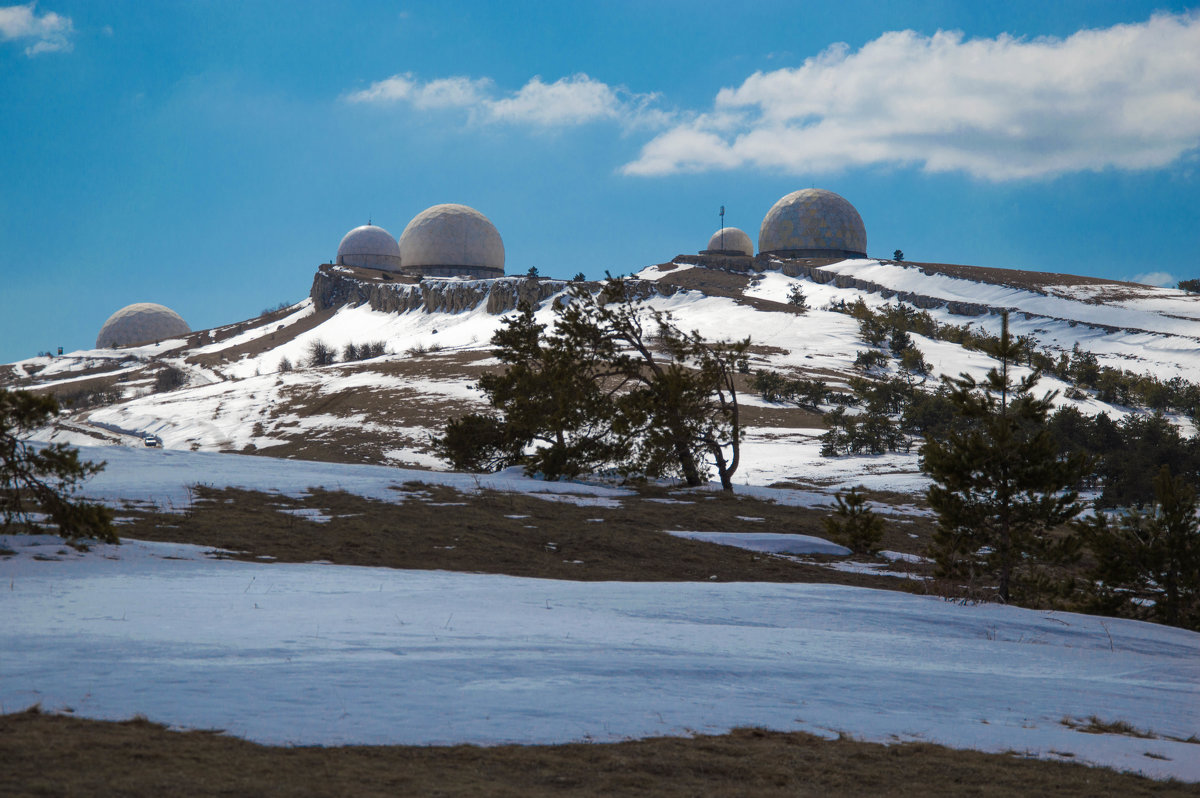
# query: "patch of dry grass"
x,y
64,756
510,533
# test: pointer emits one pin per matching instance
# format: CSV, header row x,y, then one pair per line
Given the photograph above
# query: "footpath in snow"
x,y
322,654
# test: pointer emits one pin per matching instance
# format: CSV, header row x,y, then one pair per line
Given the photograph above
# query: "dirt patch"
x,y
433,527
1015,278
780,416
59,755
260,344
732,285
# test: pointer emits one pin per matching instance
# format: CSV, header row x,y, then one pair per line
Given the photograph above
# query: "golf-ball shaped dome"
x,y
813,223
370,246
448,240
730,240
141,323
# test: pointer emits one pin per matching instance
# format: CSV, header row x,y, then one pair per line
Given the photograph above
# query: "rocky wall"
x,y
332,288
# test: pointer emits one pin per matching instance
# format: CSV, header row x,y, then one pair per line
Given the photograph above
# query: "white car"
x,y
152,441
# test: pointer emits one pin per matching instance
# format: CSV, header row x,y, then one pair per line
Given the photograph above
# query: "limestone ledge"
x,y
334,288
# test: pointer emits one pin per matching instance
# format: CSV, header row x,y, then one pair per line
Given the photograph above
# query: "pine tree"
x,y
1148,560
612,384
41,480
854,524
1000,484
555,416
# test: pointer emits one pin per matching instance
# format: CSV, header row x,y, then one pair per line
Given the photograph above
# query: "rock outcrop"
x,y
334,287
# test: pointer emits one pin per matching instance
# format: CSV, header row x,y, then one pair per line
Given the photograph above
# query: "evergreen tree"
x,y
797,299
41,480
1148,560
612,384
1000,484
854,524
554,414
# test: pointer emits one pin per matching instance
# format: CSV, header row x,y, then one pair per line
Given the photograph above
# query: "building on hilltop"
x,y
141,323
442,241
729,241
369,246
452,241
813,223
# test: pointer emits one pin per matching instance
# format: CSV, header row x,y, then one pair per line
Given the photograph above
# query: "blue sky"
x,y
208,155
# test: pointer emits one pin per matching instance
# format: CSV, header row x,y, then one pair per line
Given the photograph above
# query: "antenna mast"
x,y
722,214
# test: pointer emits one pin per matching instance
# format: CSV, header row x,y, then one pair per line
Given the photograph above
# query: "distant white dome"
x,y
369,246
450,240
730,240
813,223
142,323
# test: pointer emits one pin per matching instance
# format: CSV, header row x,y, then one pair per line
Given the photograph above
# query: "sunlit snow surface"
x,y
332,654
773,544
323,654
243,400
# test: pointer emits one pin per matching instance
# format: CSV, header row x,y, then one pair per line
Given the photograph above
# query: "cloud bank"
x,y
45,33
575,100
1125,97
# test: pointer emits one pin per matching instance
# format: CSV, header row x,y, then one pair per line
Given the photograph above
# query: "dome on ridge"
x,y
369,246
729,241
141,323
452,241
813,223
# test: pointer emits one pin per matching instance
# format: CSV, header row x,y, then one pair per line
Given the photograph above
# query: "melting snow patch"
x,y
875,568
316,516
902,556
771,544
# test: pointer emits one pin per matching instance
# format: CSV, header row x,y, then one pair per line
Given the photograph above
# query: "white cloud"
x,y
1125,97
458,92
1154,278
566,101
573,100
45,33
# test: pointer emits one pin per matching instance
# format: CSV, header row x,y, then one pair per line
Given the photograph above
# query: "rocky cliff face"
x,y
334,287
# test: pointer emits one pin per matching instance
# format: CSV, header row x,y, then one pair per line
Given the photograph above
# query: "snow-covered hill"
x,y
314,653
240,395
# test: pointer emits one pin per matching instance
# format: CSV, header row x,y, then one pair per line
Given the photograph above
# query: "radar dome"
x,y
452,241
729,241
369,246
142,323
813,223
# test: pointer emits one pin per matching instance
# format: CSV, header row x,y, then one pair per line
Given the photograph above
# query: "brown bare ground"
x,y
259,345
516,534
54,755
1014,278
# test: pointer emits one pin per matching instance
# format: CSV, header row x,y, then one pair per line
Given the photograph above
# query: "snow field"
x,y
323,654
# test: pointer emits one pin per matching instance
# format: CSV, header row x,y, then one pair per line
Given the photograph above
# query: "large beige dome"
x,y
813,223
142,323
729,241
369,246
451,241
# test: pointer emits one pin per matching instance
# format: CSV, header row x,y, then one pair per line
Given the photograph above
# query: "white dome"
x,y
369,246
142,323
448,240
730,239
813,223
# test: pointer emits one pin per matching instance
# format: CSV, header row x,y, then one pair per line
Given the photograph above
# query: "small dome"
x,y
729,241
813,223
142,323
369,246
452,240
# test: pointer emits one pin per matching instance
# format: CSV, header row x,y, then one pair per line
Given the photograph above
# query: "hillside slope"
x,y
240,394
